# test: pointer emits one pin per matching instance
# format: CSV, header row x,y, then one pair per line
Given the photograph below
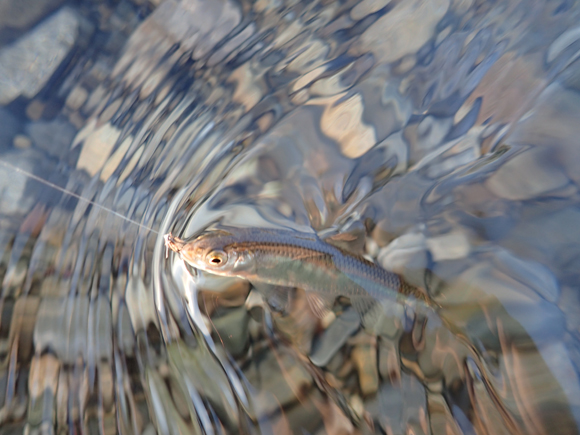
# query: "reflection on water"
x,y
438,137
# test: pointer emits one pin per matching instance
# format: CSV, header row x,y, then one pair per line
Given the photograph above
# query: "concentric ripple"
x,y
438,138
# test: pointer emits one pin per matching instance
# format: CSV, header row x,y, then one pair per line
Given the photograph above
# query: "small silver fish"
x,y
295,259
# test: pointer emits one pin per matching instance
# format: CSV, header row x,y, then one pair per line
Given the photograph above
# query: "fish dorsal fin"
x,y
352,238
340,238
321,305
349,242
220,231
208,232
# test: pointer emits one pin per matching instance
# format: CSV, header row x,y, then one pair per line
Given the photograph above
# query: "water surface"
x,y
440,136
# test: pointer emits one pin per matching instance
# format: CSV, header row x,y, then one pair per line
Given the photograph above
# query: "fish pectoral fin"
x,y
320,305
278,297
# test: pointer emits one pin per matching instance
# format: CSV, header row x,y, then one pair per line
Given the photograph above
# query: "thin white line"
x,y
68,192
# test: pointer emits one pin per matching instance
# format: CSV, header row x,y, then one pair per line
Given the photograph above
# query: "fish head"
x,y
216,252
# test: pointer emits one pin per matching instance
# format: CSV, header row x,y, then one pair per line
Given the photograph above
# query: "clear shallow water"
x,y
441,136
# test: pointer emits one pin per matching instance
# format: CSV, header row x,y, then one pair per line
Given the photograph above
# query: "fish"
x,y
284,258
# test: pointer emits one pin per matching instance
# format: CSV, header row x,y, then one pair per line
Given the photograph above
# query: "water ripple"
x,y
439,138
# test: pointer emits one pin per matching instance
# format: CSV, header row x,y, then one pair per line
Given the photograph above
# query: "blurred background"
x,y
440,137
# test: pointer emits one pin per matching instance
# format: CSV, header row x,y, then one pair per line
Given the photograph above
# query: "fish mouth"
x,y
173,243
186,252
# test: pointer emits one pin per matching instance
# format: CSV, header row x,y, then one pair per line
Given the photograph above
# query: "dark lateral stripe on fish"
x,y
319,265
310,249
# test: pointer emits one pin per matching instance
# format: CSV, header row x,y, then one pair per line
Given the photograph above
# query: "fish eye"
x,y
216,258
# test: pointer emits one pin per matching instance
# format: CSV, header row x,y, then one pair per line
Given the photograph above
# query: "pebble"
x,y
342,121
542,379
357,405
164,412
441,356
451,246
337,334
10,128
27,64
22,326
22,142
381,234
485,295
565,40
530,174
569,303
196,367
454,155
403,30
371,247
558,244
233,295
13,198
42,384
367,7
403,409
77,120
97,96
34,110
232,330
335,422
553,126
405,253
389,363
77,98
391,322
54,137
336,362
345,370
299,419
255,305
276,372
299,325
97,146
328,319
364,356
54,322
426,137
21,14
533,274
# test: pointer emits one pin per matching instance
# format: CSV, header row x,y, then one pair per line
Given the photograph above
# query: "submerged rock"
x,y
27,64
334,337
364,357
10,128
527,175
54,136
21,14
232,330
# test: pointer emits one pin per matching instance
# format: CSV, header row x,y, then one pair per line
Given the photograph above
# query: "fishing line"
x,y
73,194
